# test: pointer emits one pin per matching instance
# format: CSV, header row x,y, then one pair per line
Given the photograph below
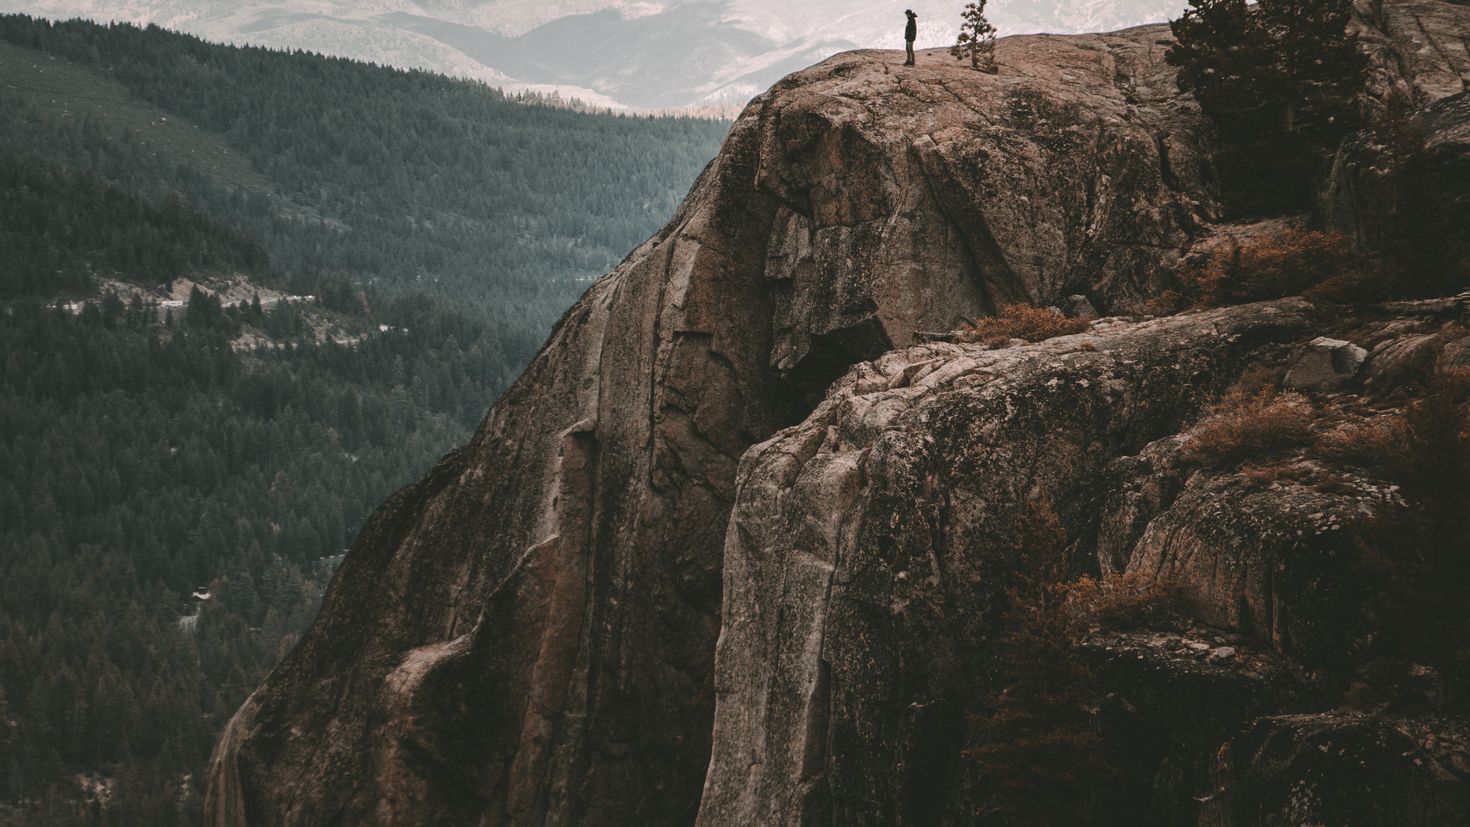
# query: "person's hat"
x,y
910,12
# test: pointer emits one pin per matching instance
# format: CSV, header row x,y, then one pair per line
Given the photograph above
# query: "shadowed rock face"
x,y
862,573
528,634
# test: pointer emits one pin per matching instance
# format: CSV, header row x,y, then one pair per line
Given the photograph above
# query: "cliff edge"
x,y
528,635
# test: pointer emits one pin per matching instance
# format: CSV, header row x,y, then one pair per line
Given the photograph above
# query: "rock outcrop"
x,y
528,635
869,544
1416,183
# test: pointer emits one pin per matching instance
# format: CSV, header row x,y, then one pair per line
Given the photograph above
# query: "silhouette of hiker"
x,y
910,32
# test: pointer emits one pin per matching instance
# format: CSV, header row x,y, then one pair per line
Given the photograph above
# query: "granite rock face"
x,y
870,550
529,634
505,639
1420,57
861,566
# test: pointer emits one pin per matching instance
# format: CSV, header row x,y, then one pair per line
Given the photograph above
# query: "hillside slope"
x,y
225,337
529,634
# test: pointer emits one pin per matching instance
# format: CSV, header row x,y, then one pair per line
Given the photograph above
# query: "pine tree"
x,y
1280,82
1322,67
1224,61
976,40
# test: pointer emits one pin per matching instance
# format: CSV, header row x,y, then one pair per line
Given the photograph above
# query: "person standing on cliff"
x,y
910,33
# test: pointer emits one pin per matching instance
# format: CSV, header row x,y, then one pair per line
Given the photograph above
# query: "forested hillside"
x,y
181,465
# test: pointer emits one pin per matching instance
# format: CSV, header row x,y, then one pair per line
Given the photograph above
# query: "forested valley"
x,y
244,296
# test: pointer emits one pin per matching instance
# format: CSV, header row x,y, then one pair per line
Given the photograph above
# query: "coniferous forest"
x,y
179,476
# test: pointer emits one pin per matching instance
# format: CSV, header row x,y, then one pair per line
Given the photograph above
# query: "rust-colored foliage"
x,y
1243,426
1423,449
1379,445
1321,265
1115,601
1035,743
1021,321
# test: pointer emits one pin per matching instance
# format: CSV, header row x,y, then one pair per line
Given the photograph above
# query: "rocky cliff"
x,y
529,634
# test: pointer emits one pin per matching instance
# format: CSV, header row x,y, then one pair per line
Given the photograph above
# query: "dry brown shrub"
x,y
1168,302
1021,321
1438,425
1117,601
1379,444
1243,426
1033,728
1264,476
1325,480
1260,377
1323,265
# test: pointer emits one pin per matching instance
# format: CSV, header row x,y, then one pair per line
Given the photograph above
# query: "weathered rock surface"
x,y
1343,768
528,635
1173,698
1403,362
870,548
863,558
1266,558
1421,57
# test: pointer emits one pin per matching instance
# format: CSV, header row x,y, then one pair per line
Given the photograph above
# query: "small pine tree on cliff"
x,y
977,39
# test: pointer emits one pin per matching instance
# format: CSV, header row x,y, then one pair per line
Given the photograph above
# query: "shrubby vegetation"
x,y
59,225
1021,321
1034,741
142,462
1284,82
1292,262
1245,426
1426,451
1322,265
441,227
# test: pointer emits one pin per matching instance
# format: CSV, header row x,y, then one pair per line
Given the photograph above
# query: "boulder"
x,y
1079,307
1325,364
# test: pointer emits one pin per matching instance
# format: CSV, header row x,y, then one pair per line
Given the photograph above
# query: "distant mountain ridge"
x,y
703,55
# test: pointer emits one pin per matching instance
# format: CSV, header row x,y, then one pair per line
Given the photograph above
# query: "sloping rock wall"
x,y
869,547
528,635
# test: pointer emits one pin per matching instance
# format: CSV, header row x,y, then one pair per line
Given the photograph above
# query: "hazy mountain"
x,y
645,54
244,296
